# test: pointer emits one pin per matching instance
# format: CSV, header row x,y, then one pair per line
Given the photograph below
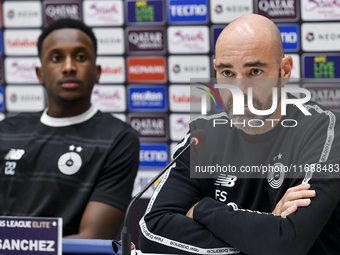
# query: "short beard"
x,y
242,120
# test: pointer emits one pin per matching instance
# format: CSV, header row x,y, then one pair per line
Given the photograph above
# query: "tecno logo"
x,y
289,37
188,10
153,155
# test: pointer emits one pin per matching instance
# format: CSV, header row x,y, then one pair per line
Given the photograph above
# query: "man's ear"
x,y
286,66
98,72
38,71
214,63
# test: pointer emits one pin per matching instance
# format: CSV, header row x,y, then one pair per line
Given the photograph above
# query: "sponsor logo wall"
x,y
149,50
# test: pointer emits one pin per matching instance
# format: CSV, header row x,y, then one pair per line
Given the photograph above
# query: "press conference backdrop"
x,y
149,50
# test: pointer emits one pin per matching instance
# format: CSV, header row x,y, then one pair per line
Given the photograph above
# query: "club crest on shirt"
x,y
276,176
70,162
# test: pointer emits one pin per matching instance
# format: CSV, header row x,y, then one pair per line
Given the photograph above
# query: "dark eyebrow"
x,y
250,64
80,48
221,66
256,64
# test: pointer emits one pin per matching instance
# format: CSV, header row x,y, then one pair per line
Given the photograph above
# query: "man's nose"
x,y
242,83
68,66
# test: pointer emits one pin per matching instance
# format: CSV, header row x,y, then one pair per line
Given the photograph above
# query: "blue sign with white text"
x,y
321,66
290,36
188,11
2,99
147,98
215,34
153,155
30,235
145,11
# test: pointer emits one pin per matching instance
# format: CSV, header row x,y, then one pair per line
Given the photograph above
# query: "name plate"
x,y
30,235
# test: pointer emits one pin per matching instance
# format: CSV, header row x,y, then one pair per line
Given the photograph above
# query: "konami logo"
x,y
146,69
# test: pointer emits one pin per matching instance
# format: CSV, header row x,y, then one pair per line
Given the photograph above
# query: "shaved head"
x,y
252,27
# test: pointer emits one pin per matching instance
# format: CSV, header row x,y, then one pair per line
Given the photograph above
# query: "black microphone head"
x,y
199,136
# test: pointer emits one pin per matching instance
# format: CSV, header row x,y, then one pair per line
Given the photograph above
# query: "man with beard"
x,y
292,210
71,160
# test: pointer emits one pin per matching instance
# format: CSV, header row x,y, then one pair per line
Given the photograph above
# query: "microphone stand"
x,y
125,235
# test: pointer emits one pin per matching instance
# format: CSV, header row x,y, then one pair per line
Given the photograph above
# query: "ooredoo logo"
x,y
146,69
103,13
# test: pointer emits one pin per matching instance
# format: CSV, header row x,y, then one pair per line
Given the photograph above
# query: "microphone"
x,y
197,137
